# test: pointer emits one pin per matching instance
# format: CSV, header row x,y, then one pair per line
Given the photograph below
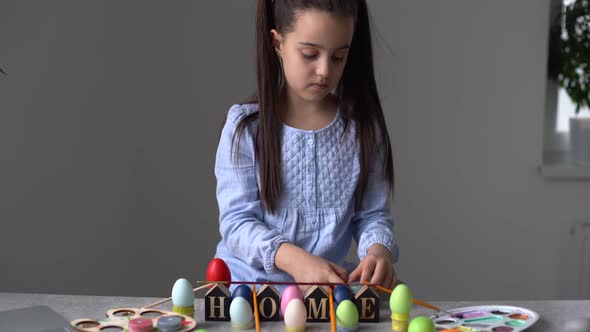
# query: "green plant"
x,y
574,52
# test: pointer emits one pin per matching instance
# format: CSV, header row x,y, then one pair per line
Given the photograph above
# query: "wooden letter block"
x,y
217,302
367,302
268,303
317,305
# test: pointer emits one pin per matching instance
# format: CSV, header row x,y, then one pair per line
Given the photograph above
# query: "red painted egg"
x,y
218,271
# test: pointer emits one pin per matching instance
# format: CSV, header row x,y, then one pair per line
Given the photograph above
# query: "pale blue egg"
x,y
182,293
240,314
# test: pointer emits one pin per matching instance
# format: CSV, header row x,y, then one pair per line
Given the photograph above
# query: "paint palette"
x,y
119,320
492,318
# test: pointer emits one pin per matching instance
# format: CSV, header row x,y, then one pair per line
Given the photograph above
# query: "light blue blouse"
x,y
316,211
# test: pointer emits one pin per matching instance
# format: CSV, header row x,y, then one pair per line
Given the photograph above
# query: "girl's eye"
x,y
335,59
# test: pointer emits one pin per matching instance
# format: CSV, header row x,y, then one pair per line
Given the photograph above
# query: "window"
x,y
565,106
557,158
565,109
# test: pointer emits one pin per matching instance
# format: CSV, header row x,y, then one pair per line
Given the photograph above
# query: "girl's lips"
x,y
319,86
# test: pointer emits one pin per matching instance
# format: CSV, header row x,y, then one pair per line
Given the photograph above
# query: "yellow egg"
x,y
347,314
421,324
400,301
295,315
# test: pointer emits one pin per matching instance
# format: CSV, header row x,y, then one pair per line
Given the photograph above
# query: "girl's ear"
x,y
277,40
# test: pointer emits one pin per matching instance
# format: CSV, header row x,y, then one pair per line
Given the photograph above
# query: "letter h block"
x,y
217,302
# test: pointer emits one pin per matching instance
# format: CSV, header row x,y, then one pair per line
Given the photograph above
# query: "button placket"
x,y
311,202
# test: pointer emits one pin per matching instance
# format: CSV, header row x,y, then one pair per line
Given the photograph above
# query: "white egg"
x,y
240,313
182,293
295,314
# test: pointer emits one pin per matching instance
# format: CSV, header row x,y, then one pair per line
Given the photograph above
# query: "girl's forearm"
x,y
379,250
285,258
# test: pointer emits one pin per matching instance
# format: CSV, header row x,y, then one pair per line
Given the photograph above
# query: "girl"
x,y
306,165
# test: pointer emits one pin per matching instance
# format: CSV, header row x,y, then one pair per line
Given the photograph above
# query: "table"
x,y
553,313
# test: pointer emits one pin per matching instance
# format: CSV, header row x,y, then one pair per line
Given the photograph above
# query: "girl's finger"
x,y
388,281
332,278
354,275
379,274
368,269
389,275
339,271
392,283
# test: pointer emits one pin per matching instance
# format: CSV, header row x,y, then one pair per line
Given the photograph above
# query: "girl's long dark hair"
x,y
357,93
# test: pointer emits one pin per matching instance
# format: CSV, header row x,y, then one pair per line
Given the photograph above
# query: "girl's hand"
x,y
305,267
376,268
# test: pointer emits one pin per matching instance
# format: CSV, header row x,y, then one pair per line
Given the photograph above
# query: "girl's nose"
x,y
323,67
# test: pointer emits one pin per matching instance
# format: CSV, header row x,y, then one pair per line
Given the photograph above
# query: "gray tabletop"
x,y
553,314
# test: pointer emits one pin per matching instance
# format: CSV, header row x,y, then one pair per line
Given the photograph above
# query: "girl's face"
x,y
314,53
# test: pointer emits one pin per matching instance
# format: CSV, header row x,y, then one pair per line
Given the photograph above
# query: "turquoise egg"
x,y
240,314
400,301
347,314
421,324
182,293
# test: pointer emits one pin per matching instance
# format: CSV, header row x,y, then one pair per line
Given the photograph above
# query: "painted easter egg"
x,y
295,315
400,301
245,292
341,293
347,314
218,271
290,292
421,324
182,293
240,314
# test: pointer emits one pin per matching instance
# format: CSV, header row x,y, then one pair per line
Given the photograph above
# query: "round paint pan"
x,y
498,318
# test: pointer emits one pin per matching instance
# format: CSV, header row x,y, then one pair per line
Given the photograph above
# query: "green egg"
x,y
400,301
347,315
421,324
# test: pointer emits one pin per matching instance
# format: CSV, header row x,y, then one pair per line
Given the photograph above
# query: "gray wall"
x,y
109,119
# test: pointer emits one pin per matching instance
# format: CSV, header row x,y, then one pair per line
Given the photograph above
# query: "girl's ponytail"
x,y
269,128
268,76
359,98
